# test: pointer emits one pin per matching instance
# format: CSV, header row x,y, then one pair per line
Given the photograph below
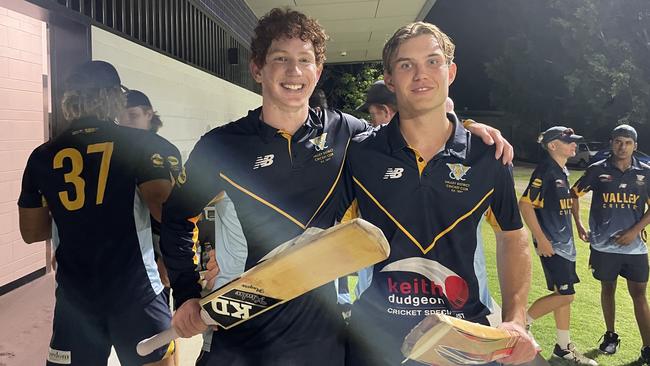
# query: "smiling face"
x,y
289,74
420,75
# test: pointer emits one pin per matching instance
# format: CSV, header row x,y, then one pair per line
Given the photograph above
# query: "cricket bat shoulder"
x,y
444,340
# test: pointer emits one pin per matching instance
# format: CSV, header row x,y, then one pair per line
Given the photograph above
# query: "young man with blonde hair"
x,y
426,181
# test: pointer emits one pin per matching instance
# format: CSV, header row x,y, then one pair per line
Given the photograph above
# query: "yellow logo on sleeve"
x,y
157,160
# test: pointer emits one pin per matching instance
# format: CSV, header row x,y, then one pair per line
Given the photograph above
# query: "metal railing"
x,y
177,28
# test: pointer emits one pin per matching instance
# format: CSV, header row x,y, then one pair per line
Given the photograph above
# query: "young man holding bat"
x,y
426,182
281,166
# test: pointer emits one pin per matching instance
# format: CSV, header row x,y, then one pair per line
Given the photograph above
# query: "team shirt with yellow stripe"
x,y
279,185
548,192
88,177
619,201
430,212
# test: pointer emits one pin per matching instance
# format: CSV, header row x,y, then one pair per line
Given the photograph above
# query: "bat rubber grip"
x,y
161,339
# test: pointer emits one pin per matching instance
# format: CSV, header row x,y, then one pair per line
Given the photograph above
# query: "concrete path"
x,y
26,326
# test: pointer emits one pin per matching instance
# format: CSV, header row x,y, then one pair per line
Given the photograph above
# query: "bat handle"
x,y
161,339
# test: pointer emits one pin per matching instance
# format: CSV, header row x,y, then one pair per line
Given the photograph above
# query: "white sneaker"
x,y
572,354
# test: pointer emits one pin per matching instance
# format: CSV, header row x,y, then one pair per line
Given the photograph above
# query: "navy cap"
x,y
378,93
558,133
624,131
93,75
136,98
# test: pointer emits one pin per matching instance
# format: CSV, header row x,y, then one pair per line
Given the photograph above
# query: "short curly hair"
x,y
279,23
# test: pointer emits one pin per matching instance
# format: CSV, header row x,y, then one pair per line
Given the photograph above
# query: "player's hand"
x,y
524,350
211,272
545,248
491,136
582,233
626,237
187,319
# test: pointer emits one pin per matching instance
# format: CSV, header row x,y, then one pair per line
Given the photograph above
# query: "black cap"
x,y
558,133
136,98
624,131
378,93
93,75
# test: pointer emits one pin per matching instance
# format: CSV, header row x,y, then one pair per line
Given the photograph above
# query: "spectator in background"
x,y
318,100
618,217
380,104
139,113
546,209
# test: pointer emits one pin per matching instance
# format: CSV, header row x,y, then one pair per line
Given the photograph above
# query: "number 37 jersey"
x,y
88,178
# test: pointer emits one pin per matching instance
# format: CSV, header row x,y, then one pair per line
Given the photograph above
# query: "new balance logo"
x,y
263,161
231,308
394,173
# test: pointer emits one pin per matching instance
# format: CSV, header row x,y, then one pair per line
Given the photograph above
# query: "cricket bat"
x,y
447,341
290,270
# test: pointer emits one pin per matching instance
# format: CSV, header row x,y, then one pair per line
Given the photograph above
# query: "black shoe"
x,y
610,343
645,355
572,354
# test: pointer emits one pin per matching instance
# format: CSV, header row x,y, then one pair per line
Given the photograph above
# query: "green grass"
x,y
587,324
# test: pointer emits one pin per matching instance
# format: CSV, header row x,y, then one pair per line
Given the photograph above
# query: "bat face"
x,y
458,357
448,341
294,268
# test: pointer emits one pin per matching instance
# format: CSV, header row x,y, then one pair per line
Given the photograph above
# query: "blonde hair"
x,y
413,30
104,104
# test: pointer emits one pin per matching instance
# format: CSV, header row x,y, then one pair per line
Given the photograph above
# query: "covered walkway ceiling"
x,y
357,29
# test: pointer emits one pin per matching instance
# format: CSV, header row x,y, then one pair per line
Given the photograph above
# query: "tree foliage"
x,y
584,63
350,84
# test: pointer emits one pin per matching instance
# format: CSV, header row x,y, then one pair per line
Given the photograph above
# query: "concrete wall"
x,y
22,128
190,101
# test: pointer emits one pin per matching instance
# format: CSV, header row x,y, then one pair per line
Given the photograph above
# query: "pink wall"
x,y
22,128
